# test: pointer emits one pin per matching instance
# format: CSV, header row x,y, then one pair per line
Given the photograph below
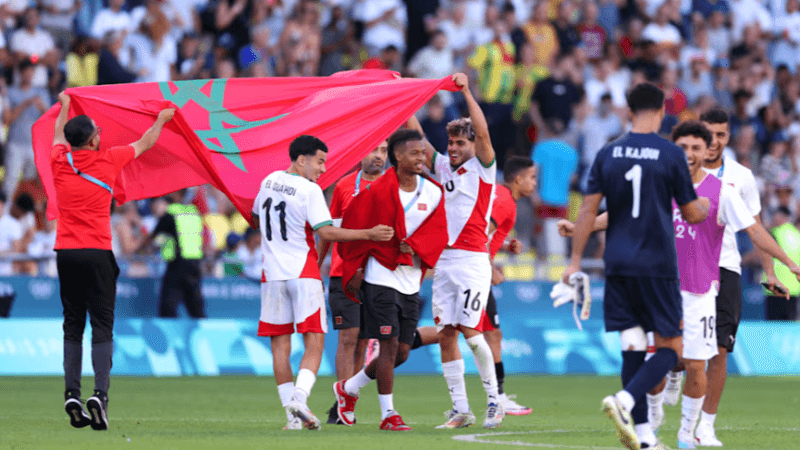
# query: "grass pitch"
x,y
244,412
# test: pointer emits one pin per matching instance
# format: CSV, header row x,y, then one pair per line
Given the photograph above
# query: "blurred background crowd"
x,y
551,76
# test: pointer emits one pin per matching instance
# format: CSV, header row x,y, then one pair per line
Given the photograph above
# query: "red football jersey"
x,y
343,194
504,215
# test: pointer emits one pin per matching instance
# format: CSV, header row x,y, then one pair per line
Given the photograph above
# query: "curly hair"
x,y
461,127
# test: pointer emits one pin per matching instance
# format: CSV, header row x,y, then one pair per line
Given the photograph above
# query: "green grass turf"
x,y
244,412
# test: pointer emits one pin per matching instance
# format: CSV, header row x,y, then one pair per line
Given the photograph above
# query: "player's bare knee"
x,y
402,354
633,340
348,338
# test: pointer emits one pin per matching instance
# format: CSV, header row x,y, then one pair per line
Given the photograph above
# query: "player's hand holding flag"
x,y
576,291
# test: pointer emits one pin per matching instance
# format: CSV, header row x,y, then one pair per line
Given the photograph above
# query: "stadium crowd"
x,y
550,75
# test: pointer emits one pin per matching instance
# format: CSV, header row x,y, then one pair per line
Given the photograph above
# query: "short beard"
x,y
715,159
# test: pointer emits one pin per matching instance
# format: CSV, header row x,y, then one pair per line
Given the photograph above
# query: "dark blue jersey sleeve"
x,y
682,188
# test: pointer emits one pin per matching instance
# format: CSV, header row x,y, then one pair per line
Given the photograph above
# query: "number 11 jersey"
x,y
639,175
289,209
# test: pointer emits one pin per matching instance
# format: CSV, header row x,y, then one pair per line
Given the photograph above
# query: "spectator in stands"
x,y
110,69
26,103
225,68
696,81
17,229
706,8
557,162
788,237
299,45
36,45
420,15
568,37
458,31
436,61
598,129
647,61
257,59
57,17
700,49
231,265
554,98
435,124
113,18
192,63
384,24
674,98
592,34
336,43
250,254
741,117
229,21
542,35
779,163
389,59
10,238
604,82
787,33
719,36
41,246
153,8
746,13
82,62
609,17
528,73
156,51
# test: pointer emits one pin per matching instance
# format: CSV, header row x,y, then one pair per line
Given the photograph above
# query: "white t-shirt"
x,y
662,34
732,210
406,279
251,261
10,231
289,209
384,33
38,43
459,37
107,20
744,184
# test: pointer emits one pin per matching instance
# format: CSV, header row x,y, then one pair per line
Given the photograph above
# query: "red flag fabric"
x,y
233,132
379,204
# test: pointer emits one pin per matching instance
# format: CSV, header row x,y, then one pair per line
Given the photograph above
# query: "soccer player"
x,y
393,271
289,207
347,313
519,176
639,175
729,300
464,272
83,174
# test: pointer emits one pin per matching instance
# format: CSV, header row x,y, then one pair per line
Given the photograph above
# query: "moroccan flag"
x,y
233,132
379,204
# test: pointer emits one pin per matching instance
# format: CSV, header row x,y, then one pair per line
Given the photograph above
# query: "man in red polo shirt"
x,y
83,174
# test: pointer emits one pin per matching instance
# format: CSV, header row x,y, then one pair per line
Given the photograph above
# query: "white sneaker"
x,y
706,437
686,439
301,411
655,416
622,421
294,424
457,420
511,407
494,416
672,392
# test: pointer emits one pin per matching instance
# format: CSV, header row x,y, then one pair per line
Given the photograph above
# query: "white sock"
x,y
454,375
485,363
690,412
655,401
303,385
387,404
708,418
626,399
645,434
285,392
354,384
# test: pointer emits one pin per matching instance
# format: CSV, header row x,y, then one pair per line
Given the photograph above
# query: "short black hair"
x,y
645,97
400,137
78,130
692,128
715,116
25,203
514,166
306,145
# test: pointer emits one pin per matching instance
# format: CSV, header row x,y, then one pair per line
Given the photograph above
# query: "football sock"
x,y
690,412
354,384
501,376
651,373
387,404
708,418
485,363
101,363
655,401
645,434
285,392
631,362
73,357
454,375
303,385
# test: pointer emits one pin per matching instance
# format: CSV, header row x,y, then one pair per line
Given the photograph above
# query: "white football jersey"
x,y
741,179
289,209
407,279
468,194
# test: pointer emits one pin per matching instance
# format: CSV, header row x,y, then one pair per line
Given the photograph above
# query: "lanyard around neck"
x,y
420,181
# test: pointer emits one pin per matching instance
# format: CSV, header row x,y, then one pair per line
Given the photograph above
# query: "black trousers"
x,y
181,284
88,279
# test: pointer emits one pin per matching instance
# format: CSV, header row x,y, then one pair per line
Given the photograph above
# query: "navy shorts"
x,y
653,303
344,312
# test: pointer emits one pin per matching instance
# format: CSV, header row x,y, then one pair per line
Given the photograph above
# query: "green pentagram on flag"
x,y
218,116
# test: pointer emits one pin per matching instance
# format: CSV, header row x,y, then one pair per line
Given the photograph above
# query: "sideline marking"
x,y
479,438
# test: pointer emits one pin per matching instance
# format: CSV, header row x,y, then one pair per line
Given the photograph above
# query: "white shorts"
x,y
285,303
699,325
461,286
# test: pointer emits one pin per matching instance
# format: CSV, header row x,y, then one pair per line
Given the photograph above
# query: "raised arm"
x,y
61,120
483,144
335,234
583,228
149,138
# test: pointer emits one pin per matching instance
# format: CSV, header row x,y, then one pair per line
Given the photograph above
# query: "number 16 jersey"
x,y
639,175
289,209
